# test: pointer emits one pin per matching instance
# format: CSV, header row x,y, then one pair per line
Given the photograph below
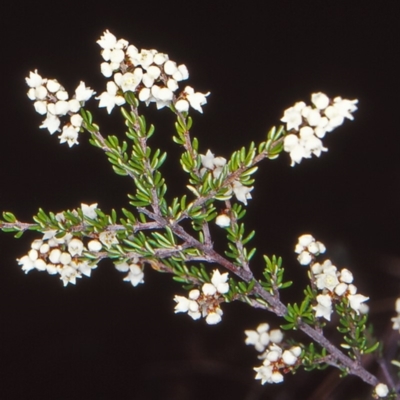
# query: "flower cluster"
x,y
396,320
308,248
263,336
205,303
61,256
52,100
277,361
309,124
151,75
65,255
216,165
333,285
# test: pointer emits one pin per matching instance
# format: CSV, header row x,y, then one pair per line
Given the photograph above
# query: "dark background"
x,y
103,339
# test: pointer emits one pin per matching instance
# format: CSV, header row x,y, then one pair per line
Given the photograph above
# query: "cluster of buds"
x,y
215,165
151,75
333,285
205,303
307,125
396,320
276,360
307,249
65,255
52,100
61,256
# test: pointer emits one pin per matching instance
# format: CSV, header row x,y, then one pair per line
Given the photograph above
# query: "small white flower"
x,y
346,276
320,100
209,289
107,40
289,358
293,118
94,245
75,247
242,192
214,318
110,98
260,338
55,255
182,105
108,238
89,211
381,390
52,85
34,80
70,135
129,81
76,120
135,275
83,93
324,306
356,300
196,99
223,220
220,281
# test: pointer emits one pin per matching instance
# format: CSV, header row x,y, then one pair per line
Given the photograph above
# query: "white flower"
x,y
214,318
346,276
89,211
381,390
129,81
181,73
94,245
182,105
242,192
75,247
324,306
220,281
52,123
40,107
356,300
223,220
196,99
320,100
187,305
307,247
289,358
264,373
70,135
209,289
76,120
110,98
83,93
292,117
327,279
135,275
55,255
260,338
34,80
207,160
276,335
107,41
53,85
61,107
108,238
106,69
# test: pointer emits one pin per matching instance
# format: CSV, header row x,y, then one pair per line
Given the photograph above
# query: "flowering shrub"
x,y
151,234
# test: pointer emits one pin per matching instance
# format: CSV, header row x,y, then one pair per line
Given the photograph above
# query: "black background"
x,y
103,339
